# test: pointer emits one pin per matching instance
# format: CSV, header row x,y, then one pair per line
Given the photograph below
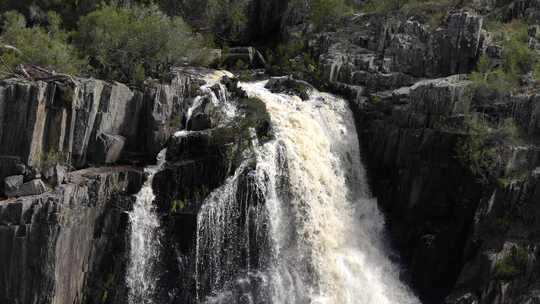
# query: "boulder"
x,y
289,85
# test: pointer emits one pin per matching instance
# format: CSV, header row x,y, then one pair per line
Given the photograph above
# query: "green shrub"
x,y
326,12
51,158
518,59
176,122
177,206
228,19
131,44
44,46
433,11
512,265
294,58
382,6
479,151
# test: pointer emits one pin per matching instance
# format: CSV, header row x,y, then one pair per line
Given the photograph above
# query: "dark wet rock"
x,y
291,86
92,122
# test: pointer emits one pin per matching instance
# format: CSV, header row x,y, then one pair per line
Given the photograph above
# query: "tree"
x,y
130,44
44,46
325,12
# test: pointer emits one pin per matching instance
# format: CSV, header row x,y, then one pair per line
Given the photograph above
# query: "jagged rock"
x,y
92,121
455,48
409,137
59,247
12,184
33,187
199,121
55,175
388,53
288,85
109,147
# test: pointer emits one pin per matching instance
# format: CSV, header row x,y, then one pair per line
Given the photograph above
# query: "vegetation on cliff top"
x,y
46,46
518,65
123,44
131,44
512,264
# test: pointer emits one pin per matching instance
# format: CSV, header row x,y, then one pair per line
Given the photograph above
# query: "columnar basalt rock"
x,y
381,53
55,246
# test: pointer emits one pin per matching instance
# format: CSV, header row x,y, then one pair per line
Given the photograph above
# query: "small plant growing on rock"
x,y
518,59
478,150
177,206
51,158
512,265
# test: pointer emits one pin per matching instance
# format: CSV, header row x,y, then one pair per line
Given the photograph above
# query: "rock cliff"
x,y
461,239
72,160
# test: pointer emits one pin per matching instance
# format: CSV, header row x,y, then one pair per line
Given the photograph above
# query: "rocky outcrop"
x,y
61,246
89,122
409,137
63,234
462,239
380,53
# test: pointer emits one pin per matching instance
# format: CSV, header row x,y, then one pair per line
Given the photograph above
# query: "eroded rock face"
x,y
63,234
380,53
429,198
89,122
462,240
59,247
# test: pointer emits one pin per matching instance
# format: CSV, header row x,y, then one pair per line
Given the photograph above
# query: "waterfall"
x,y
300,225
144,242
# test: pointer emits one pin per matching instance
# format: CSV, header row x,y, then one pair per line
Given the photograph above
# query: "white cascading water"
x,y
144,242
324,230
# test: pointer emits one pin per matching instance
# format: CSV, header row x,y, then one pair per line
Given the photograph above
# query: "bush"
x,y
131,44
512,265
479,149
44,46
52,158
518,59
410,7
326,12
228,20
294,58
